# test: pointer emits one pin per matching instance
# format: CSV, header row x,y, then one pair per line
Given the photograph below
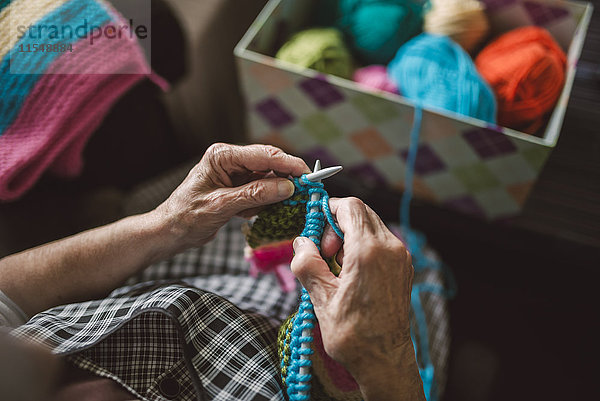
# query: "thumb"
x,y
312,271
257,193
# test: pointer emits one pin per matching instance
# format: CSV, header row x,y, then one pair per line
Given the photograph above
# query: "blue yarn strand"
x,y
329,215
304,319
412,157
315,220
415,242
427,371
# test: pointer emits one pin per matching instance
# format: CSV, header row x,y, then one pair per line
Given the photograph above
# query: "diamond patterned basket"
x,y
463,163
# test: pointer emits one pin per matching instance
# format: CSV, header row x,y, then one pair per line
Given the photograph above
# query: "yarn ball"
x,y
437,73
464,21
376,29
526,68
375,77
321,49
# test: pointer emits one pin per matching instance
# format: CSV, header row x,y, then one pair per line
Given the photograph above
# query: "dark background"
x,y
525,320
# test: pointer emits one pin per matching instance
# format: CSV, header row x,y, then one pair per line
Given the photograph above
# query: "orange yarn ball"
x,y
526,69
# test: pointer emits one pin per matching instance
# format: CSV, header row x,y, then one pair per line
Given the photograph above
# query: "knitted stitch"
x,y
282,221
15,88
23,13
47,116
269,239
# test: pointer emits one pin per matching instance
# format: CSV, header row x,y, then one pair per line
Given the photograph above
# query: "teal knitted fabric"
x,y
283,221
295,344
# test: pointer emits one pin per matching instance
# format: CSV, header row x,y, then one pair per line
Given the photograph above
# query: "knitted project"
x,y
274,225
52,101
330,380
269,240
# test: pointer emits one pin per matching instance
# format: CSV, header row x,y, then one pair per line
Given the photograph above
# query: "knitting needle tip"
x,y
319,175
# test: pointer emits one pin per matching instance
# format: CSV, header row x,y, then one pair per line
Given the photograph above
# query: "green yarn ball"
x,y
376,29
321,49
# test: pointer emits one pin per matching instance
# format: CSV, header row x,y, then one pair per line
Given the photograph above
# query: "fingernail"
x,y
285,188
298,241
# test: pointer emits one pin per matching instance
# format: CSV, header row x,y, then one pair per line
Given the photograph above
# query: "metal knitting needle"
x,y
317,166
307,332
316,176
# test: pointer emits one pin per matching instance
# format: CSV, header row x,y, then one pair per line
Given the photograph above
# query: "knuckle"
x,y
302,261
273,152
399,249
216,148
214,204
353,206
219,151
400,253
300,264
407,257
256,193
354,203
371,249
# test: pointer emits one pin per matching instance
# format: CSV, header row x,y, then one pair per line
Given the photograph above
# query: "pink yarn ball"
x,y
375,77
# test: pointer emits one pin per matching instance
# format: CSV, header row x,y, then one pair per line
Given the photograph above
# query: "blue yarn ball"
x,y
437,73
375,29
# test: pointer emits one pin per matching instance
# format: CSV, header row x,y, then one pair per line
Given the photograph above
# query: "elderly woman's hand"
x,y
229,180
364,313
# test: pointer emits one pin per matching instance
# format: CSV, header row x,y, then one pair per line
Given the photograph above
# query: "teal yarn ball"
x,y
375,29
437,73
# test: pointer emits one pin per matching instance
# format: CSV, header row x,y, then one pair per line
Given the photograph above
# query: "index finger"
x,y
353,217
233,158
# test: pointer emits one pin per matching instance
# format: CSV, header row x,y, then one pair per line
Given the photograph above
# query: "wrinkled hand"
x,y
229,180
364,313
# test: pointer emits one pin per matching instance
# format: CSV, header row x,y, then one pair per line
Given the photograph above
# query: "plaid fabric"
x,y
198,318
231,353
150,330
131,353
219,267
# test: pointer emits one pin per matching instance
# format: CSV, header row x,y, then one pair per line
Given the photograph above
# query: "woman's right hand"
x,y
364,312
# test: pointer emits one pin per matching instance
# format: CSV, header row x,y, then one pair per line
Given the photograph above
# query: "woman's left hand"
x,y
229,180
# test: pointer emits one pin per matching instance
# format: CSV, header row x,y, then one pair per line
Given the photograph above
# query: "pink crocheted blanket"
x,y
52,101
